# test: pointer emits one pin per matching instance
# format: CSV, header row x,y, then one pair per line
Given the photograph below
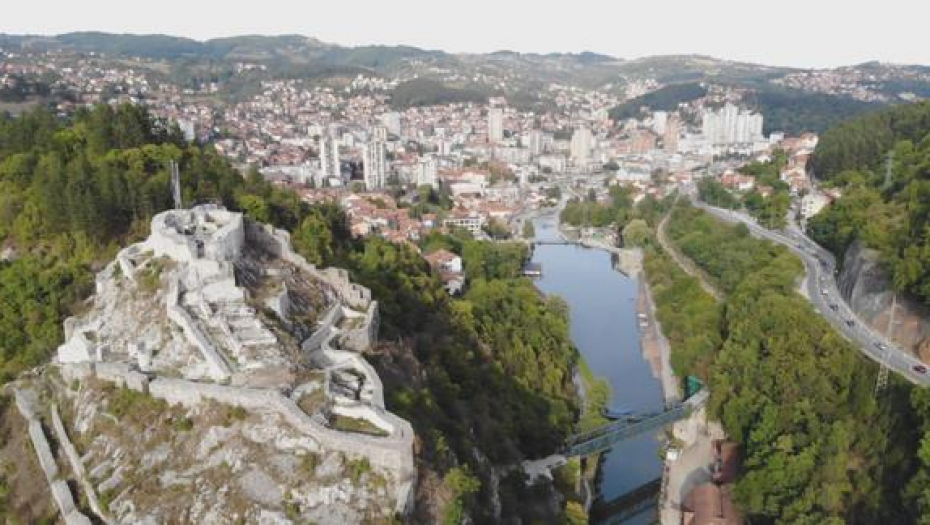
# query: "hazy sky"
x,y
778,32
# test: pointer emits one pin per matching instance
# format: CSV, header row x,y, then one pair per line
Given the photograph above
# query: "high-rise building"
x,y
380,133
672,132
495,125
534,142
659,122
391,121
581,146
330,165
729,126
426,172
374,164
189,129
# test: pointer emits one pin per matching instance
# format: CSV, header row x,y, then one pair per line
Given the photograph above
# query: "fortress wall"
x,y
76,465
218,368
228,240
278,242
61,493
364,337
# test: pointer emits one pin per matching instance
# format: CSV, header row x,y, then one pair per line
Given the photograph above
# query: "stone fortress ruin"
x,y
214,310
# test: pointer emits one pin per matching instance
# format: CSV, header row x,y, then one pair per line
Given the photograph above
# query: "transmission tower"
x,y
175,184
882,381
888,163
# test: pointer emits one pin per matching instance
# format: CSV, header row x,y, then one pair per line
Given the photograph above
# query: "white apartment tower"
x,y
495,125
671,134
426,172
581,146
534,142
374,164
729,125
391,121
329,157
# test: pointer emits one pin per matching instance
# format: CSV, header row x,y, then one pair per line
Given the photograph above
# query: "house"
x,y
449,267
445,260
812,203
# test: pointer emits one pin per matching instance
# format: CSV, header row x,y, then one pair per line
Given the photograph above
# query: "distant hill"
x,y
678,69
663,99
522,77
794,111
424,92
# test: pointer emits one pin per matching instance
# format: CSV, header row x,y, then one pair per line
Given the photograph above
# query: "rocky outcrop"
x,y
867,288
223,329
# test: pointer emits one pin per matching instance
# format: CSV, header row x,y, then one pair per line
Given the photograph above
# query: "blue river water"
x,y
604,327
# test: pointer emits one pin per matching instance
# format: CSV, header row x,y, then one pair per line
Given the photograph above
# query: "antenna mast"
x,y
175,184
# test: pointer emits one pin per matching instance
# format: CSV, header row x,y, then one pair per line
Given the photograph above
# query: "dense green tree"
x,y
636,233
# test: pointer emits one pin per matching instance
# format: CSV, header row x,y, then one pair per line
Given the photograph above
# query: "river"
x,y
604,328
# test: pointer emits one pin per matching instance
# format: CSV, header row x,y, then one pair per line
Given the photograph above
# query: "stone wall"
x,y
393,453
278,242
219,370
365,336
76,465
222,244
27,404
226,242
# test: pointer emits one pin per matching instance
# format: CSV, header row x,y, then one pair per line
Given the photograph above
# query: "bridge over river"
x,y
604,437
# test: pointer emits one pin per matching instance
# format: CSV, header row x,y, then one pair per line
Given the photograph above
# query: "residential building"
x,y
495,125
330,164
812,203
426,172
374,165
581,146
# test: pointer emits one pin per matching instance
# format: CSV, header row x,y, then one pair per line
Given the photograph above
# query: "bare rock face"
x,y
868,288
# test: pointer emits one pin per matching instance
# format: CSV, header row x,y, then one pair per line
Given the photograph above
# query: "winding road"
x,y
821,289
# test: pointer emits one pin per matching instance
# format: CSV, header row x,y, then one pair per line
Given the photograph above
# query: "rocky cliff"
x,y
867,287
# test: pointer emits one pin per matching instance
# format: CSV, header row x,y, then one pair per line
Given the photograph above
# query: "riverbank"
x,y
690,455
656,348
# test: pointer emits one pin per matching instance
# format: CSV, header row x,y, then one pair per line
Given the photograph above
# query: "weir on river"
x,y
604,327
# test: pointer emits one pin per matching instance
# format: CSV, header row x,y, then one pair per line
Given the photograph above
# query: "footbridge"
x,y
604,437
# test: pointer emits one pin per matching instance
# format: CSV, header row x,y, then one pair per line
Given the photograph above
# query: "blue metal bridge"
x,y
603,438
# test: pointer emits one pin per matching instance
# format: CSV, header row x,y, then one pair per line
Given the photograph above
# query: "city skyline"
x,y
793,35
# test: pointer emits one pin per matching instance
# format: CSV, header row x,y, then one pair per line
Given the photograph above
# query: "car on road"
x,y
834,307
823,291
920,369
850,323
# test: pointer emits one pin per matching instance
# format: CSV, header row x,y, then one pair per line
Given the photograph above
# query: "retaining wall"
x,y
61,493
76,465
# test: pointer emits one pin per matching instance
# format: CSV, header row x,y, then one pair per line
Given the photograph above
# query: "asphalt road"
x,y
824,295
